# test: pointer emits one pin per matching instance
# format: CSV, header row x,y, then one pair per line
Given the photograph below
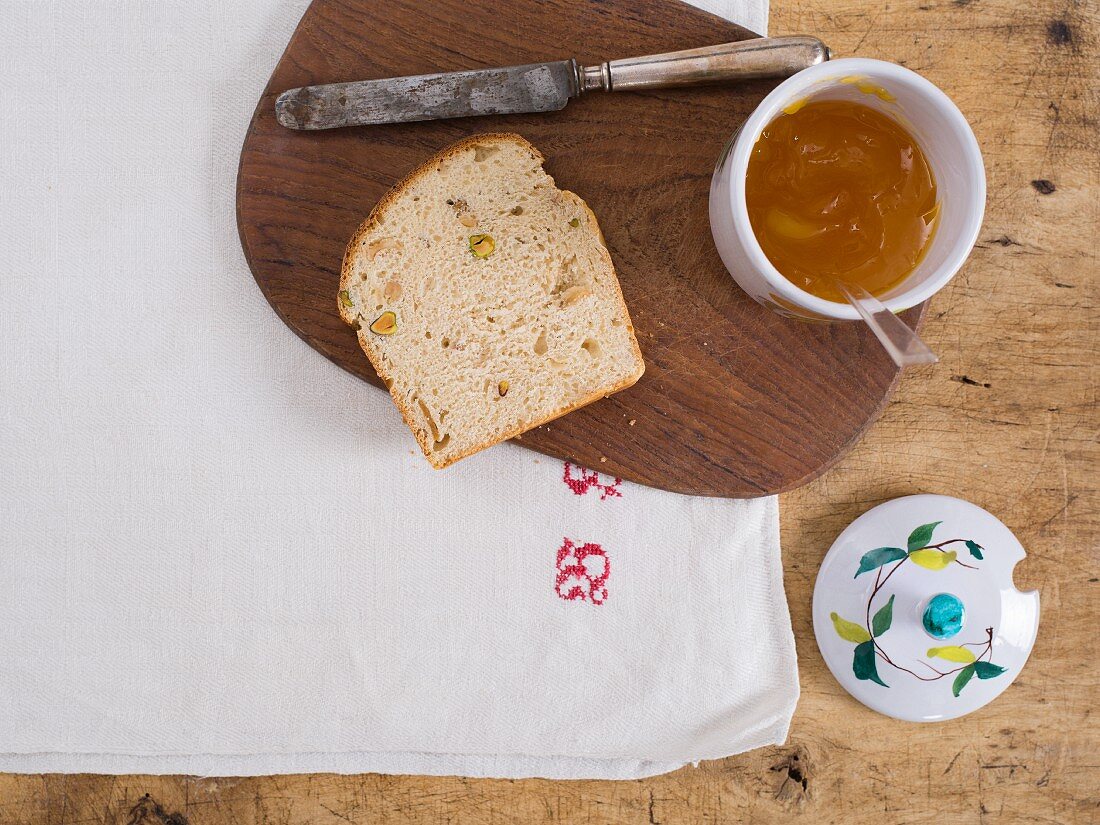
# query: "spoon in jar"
x,y
903,345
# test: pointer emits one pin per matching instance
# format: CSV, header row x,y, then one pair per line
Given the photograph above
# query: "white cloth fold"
x,y
220,554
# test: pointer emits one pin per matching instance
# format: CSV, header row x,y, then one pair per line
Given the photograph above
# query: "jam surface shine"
x,y
837,190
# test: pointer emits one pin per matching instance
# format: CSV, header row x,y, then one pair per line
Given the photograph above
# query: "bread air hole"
x,y
431,421
592,347
483,153
540,344
446,343
377,247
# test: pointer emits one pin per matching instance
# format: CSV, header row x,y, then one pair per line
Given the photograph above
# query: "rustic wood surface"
x,y
736,400
1007,420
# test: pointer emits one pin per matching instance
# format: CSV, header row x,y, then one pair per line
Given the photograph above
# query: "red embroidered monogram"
x,y
582,572
587,480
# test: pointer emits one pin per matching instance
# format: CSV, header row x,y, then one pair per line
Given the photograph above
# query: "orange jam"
x,y
839,191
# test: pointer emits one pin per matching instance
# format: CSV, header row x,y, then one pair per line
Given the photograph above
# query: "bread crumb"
x,y
632,422
603,458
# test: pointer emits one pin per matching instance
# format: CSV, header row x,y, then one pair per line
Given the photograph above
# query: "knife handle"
x,y
761,57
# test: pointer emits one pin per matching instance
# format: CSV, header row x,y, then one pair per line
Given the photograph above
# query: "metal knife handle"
x,y
762,57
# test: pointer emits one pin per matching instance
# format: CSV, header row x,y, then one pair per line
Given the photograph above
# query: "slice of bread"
x,y
485,298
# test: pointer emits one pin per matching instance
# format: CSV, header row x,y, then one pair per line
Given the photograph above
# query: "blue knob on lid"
x,y
943,617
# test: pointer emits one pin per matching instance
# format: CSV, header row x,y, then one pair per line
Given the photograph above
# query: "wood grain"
x,y
736,401
1008,420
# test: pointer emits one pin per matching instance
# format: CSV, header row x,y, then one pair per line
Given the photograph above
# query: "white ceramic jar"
x,y
933,120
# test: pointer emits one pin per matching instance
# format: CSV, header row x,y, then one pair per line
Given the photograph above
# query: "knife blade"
x,y
536,87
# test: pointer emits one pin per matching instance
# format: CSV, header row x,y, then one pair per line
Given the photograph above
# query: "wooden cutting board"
x,y
735,401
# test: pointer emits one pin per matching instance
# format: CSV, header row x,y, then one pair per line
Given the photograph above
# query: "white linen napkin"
x,y
220,554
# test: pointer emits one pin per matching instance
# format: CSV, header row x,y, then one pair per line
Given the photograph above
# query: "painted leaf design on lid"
x,y
863,663
874,559
960,681
987,670
849,631
932,559
884,616
952,653
922,535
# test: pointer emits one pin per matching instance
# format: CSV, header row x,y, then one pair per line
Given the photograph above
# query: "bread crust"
x,y
368,225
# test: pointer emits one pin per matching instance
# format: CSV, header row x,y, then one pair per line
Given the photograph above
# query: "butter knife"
x,y
537,87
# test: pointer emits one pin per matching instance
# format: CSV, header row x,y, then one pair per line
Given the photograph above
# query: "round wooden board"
x,y
736,401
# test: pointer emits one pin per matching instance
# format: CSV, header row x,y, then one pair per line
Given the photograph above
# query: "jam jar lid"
x,y
915,611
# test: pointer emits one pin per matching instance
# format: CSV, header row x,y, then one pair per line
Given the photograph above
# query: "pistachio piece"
x,y
575,222
502,388
392,291
482,245
384,324
345,299
574,294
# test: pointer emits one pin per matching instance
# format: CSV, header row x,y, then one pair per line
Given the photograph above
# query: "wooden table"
x,y
1007,419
